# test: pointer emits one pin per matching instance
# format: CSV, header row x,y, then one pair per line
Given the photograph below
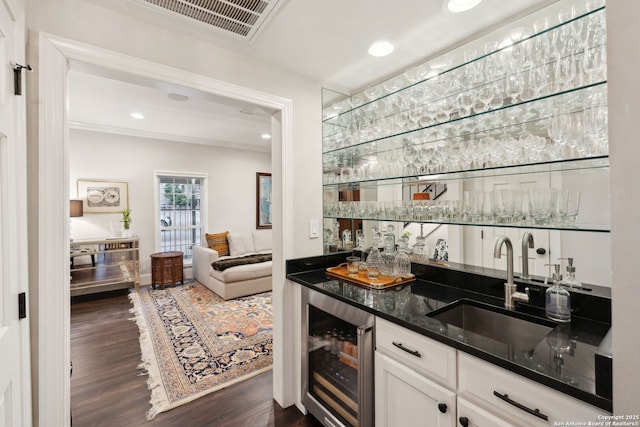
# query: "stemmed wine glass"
x,y
513,86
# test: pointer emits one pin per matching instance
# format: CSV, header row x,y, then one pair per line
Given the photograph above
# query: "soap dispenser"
x,y
558,299
570,278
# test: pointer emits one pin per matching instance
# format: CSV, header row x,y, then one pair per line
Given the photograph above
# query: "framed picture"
x,y
263,200
100,196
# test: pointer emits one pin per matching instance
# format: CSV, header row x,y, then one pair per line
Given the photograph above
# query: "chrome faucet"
x,y
510,293
527,242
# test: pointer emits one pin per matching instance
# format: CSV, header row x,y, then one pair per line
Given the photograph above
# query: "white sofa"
x,y
239,280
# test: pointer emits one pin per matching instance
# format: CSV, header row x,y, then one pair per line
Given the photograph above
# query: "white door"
x,y
406,398
15,408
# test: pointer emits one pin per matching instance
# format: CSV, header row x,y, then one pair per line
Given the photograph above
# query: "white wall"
x,y
230,185
624,109
88,22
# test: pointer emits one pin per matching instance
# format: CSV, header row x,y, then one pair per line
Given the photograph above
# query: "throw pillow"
x,y
262,240
240,244
218,242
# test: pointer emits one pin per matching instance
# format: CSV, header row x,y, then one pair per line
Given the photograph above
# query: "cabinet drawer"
x,y
471,415
424,355
478,380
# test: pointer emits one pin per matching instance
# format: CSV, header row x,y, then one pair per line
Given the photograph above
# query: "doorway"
x,y
49,242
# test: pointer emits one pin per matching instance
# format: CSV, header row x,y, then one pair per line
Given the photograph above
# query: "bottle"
x,y
402,265
374,262
558,300
570,279
387,268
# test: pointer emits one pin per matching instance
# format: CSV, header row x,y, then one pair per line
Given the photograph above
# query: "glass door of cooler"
x,y
339,356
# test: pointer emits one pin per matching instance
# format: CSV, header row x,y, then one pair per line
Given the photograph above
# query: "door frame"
x,y
49,242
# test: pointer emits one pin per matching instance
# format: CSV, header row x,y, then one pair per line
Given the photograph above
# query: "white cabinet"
x,y
532,404
472,415
429,358
415,379
406,398
422,382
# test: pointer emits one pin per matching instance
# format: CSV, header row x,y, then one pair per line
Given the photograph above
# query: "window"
x,y
180,216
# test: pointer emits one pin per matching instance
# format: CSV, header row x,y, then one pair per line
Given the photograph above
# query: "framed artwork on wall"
x,y
101,196
263,200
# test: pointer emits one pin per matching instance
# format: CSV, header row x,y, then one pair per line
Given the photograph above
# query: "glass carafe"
x,y
402,265
389,254
420,250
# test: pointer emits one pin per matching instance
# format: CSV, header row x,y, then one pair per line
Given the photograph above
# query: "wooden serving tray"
x,y
383,282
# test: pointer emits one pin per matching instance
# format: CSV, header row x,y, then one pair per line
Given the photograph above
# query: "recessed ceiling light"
x,y
456,6
380,48
137,115
177,97
265,136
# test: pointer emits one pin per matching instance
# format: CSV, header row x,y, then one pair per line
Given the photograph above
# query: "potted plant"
x,y
126,223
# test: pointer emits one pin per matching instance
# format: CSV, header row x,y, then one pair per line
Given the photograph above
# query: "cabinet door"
x,y
405,398
471,415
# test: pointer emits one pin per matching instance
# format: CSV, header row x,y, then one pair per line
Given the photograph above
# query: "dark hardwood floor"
x,y
108,390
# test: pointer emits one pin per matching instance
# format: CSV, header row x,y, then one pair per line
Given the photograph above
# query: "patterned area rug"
x,y
194,342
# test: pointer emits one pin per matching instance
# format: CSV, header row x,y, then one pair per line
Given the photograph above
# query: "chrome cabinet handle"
x,y
535,412
403,348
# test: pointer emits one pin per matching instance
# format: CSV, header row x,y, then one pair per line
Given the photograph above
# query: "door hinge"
x,y
22,305
17,77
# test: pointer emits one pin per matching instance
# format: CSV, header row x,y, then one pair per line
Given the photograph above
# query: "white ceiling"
x,y
104,103
325,41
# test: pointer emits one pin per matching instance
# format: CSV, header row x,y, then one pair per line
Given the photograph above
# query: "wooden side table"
x,y
166,268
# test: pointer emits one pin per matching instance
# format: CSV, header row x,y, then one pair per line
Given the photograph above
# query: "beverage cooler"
x,y
337,367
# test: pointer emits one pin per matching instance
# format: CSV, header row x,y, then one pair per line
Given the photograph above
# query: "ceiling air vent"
x,y
240,18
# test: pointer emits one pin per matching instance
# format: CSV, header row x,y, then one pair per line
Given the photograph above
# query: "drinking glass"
x,y
513,86
472,205
594,63
496,98
465,100
568,206
352,265
504,206
483,97
538,80
565,72
488,213
542,203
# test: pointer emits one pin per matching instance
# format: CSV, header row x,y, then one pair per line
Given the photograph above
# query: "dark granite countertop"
x,y
563,360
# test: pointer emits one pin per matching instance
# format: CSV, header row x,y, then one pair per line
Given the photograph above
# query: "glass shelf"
x,y
399,84
586,164
449,126
531,116
599,228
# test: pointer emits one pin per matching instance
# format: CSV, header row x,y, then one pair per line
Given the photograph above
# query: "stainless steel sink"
x,y
514,329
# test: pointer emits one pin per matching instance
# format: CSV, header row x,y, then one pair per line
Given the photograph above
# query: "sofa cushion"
x,y
243,272
240,244
218,242
262,240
